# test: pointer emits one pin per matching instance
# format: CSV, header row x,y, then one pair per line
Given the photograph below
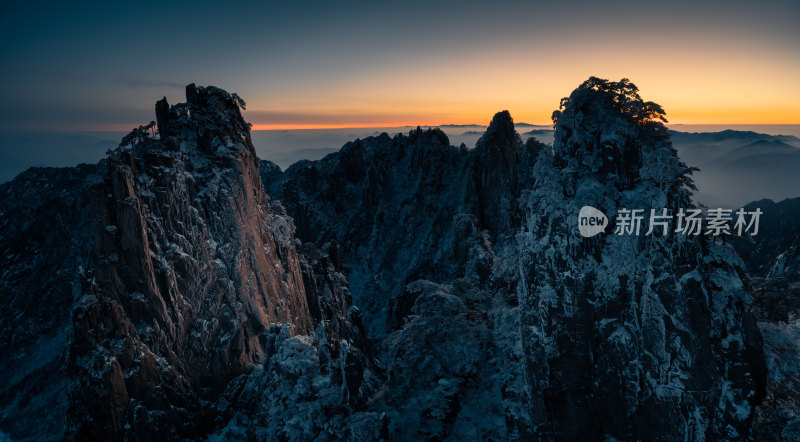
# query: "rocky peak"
x,y
428,137
606,130
500,134
180,263
494,183
591,303
209,119
163,118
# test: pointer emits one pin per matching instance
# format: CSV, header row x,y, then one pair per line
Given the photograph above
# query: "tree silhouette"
x,y
140,135
621,95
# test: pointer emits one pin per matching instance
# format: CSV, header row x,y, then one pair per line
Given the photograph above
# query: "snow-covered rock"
x,y
449,250
401,288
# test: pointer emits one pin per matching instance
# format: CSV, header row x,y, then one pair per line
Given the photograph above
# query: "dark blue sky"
x,y
102,65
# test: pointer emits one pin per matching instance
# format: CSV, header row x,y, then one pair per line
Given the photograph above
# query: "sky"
x,y
101,66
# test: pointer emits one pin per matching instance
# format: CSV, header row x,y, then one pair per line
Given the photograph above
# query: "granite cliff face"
x,y
401,288
159,285
193,264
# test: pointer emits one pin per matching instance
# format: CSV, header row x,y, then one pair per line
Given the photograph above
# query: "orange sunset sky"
x,y
358,64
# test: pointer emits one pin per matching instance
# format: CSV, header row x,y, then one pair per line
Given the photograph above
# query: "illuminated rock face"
x,y
193,264
158,271
399,288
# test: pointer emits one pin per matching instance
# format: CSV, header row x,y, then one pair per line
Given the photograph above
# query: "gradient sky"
x,y
101,66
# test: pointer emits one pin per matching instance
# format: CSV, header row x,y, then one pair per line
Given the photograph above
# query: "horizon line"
x,y
267,127
117,128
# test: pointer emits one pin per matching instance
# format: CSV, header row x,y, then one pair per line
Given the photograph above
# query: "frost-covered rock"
x,y
630,337
302,390
400,207
773,260
44,244
401,288
604,337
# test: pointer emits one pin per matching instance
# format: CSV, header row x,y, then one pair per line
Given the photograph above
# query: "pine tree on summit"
x,y
622,95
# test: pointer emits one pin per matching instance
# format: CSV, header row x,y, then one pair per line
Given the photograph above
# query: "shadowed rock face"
x,y
630,336
45,242
494,180
773,260
408,207
627,337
